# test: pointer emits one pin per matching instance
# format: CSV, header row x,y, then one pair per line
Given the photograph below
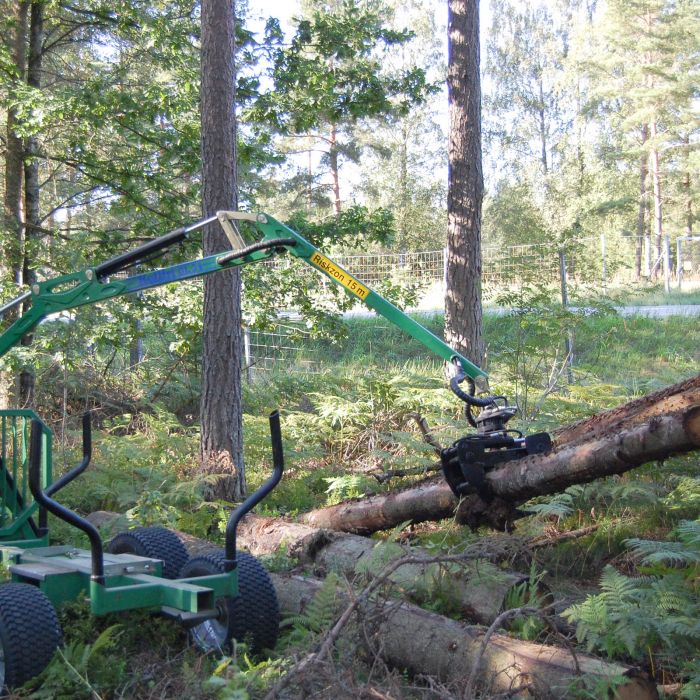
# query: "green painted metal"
x,y
17,507
80,288
142,591
272,229
63,581
63,573
62,587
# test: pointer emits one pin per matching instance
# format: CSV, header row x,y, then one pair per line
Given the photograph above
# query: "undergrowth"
x,y
632,582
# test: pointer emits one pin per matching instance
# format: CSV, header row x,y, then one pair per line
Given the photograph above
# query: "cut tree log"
x,y
424,643
671,399
477,589
614,442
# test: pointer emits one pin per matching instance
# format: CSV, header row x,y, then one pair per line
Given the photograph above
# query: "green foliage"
x,y
240,677
318,616
332,72
347,486
654,614
526,594
81,670
534,352
558,506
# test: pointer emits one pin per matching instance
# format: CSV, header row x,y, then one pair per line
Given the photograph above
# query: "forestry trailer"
x,y
221,596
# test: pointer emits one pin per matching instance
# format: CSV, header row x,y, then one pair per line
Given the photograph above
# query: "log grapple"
x,y
467,460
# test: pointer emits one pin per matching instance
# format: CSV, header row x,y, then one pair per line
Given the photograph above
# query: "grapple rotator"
x,y
467,460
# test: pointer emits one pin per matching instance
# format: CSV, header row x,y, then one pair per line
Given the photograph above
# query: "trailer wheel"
x,y
29,633
154,543
251,617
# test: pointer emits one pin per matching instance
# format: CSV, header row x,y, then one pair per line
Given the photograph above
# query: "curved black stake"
x,y
87,456
65,514
262,492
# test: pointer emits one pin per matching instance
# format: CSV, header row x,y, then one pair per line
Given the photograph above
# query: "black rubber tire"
x,y
253,615
29,633
154,543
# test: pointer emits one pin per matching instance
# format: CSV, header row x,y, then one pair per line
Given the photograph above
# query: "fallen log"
x,y
649,431
427,644
424,643
670,399
477,589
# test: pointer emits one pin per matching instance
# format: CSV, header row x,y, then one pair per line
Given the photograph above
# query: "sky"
x,y
284,10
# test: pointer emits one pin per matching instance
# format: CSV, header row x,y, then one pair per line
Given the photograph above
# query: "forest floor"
x,y
624,601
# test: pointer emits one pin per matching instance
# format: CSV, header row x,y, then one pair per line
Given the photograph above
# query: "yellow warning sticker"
x,y
339,275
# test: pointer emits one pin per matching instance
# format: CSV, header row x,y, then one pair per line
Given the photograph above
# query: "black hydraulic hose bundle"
x,y
470,400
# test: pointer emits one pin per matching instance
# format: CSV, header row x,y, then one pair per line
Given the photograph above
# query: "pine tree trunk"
x,y
543,131
478,591
424,642
656,183
643,170
427,644
687,190
465,183
32,187
220,408
335,174
11,256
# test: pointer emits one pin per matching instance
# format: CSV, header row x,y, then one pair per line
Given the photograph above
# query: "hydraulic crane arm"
x,y
93,285
464,463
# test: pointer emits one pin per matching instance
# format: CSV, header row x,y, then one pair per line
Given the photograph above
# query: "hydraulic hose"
x,y
254,247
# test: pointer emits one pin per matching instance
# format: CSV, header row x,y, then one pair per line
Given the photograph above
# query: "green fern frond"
x,y
320,612
689,532
662,551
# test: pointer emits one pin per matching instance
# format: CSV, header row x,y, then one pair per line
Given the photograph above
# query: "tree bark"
x,y
656,184
652,428
424,643
641,211
335,173
32,187
670,399
465,183
220,408
477,589
13,204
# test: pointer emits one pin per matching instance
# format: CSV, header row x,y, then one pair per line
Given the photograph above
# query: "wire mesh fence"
x,y
592,263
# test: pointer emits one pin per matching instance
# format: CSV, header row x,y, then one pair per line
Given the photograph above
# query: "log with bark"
x,y
427,644
654,427
477,589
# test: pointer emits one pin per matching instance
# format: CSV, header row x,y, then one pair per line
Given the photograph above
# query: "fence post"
x,y
679,261
605,264
667,264
444,266
568,340
248,357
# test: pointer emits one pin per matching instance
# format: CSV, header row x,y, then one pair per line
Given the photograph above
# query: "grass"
x,y
655,295
636,351
352,417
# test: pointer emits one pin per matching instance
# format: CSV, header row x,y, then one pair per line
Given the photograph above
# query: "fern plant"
x,y
81,670
656,614
318,615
